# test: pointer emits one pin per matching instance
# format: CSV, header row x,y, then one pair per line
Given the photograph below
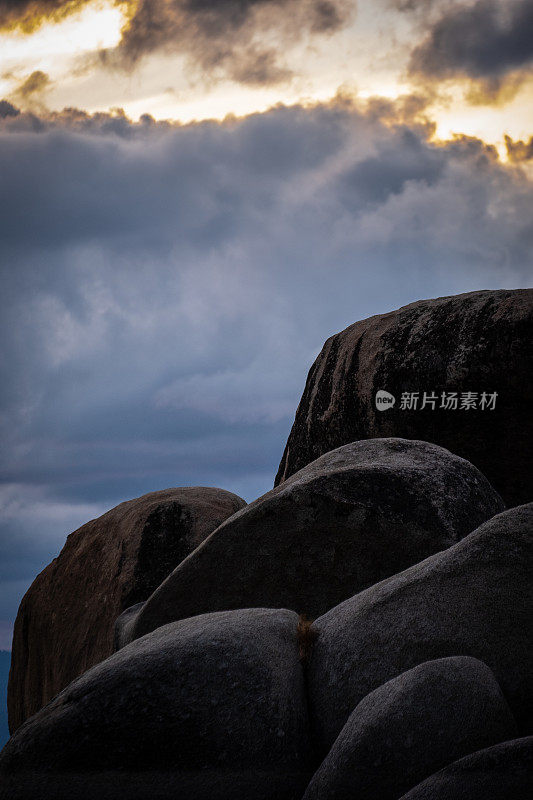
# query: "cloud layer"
x,y
166,288
225,35
243,40
489,41
259,43
28,14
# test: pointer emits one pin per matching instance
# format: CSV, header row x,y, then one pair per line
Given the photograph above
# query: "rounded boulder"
x,y
351,518
202,697
502,772
65,622
474,599
412,726
459,371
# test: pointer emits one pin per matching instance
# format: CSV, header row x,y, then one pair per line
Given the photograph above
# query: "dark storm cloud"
x,y
225,37
485,41
386,173
8,110
13,120
165,289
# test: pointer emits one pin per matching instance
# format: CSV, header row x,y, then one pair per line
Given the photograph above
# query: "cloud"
x,y
13,120
35,83
240,39
243,40
166,287
518,151
30,91
488,42
8,110
28,15
422,6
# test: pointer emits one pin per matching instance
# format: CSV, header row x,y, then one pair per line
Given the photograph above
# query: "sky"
x,y
195,194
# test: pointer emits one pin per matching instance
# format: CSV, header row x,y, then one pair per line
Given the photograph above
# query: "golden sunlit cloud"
x,y
88,28
27,16
57,63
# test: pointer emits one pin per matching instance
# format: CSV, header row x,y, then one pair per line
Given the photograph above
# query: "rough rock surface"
x,y
502,772
65,621
353,517
475,342
124,624
476,598
202,696
412,726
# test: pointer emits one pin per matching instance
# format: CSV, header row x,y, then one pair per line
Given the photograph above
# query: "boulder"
x,y
502,772
410,727
476,342
349,519
211,702
476,599
123,626
65,621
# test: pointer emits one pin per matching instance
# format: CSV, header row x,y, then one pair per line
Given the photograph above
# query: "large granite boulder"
x,y
216,704
476,599
410,727
476,342
65,621
349,519
502,772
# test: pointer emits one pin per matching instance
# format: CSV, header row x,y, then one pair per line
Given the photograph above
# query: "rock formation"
x,y
354,516
66,619
476,342
411,726
416,678
476,599
502,772
213,696
124,625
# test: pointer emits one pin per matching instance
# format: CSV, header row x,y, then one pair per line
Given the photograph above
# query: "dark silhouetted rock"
x,y
502,772
354,516
66,619
215,694
254,784
474,599
475,342
412,726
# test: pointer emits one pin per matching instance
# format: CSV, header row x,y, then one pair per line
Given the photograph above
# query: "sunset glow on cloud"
x,y
192,59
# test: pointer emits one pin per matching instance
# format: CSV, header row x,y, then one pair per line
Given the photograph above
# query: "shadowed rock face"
x,y
252,784
502,772
412,726
478,342
476,599
65,621
123,626
349,519
204,696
